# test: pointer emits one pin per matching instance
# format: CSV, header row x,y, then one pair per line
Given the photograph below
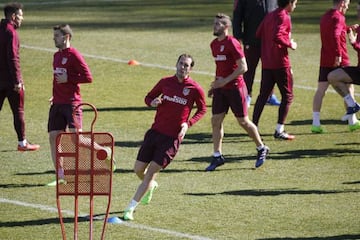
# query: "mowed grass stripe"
x,y
119,60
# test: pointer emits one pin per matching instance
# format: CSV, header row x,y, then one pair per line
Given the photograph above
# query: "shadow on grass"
x,y
47,221
157,14
193,138
38,222
53,172
323,122
313,153
278,192
128,144
287,155
228,159
20,185
36,173
338,237
354,182
8,151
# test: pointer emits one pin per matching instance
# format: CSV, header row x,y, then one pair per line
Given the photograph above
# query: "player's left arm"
x,y
82,72
337,32
200,107
282,33
199,97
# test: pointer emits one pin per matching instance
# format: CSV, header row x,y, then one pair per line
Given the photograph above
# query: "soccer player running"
x,y
11,82
229,91
341,77
247,16
173,97
275,34
334,54
69,71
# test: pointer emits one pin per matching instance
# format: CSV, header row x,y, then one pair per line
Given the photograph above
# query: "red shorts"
x,y
61,117
159,148
354,73
323,73
234,98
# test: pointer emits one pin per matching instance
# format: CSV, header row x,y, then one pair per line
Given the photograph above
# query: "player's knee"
x,y
332,77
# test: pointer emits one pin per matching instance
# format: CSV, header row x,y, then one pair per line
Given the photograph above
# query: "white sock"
x,y
61,174
217,154
22,143
349,100
280,128
353,119
260,147
316,119
152,183
132,205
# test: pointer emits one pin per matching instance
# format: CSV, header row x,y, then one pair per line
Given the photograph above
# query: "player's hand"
x,y
18,87
354,27
352,36
337,61
184,128
210,92
293,44
156,102
61,78
218,83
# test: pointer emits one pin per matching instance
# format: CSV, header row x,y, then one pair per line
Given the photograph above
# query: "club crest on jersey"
x,y
64,60
186,91
222,47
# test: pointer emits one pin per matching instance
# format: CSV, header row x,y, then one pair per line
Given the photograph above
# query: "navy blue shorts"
x,y
61,117
159,148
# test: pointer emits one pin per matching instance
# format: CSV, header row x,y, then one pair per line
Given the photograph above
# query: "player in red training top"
x,y
174,98
341,77
275,35
229,91
70,70
334,54
11,82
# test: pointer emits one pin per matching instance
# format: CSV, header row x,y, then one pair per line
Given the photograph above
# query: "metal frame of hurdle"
x,y
84,173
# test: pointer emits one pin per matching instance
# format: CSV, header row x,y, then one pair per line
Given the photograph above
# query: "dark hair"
x,y
224,19
187,56
284,3
12,8
64,29
337,1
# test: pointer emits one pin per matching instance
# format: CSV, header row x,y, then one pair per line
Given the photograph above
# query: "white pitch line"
x,y
37,206
150,65
132,225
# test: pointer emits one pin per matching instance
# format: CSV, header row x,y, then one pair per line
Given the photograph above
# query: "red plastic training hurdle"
x,y
84,173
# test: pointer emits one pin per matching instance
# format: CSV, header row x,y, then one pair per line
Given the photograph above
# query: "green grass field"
x,y
308,189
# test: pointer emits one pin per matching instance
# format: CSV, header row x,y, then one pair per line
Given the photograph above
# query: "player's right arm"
x,y
241,69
